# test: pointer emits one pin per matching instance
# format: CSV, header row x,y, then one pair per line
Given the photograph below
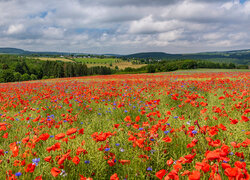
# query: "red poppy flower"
x,y
167,139
114,177
44,136
195,175
160,173
71,131
76,160
59,136
30,168
55,171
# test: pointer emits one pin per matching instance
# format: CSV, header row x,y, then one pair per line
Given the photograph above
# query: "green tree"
x,y
231,66
7,75
5,66
19,68
25,67
25,77
33,77
150,69
17,76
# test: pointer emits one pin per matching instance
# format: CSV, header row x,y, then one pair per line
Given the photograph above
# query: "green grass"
x,y
97,60
214,70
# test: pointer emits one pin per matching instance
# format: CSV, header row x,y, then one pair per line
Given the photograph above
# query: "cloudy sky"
x,y
125,26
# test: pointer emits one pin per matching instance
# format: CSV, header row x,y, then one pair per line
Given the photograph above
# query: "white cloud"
x,y
15,29
148,25
53,33
125,26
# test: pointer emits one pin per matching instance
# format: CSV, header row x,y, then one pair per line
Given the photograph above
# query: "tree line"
x,y
164,66
18,68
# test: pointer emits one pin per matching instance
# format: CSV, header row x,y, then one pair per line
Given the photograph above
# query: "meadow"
x,y
93,60
53,59
175,125
112,63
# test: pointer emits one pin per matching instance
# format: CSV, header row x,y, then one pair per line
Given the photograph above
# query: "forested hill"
x,y
24,52
12,51
237,56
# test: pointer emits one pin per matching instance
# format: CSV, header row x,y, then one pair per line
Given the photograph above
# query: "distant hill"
x,y
153,55
23,52
236,56
12,51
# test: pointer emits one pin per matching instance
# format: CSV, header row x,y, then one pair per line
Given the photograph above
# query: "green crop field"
x,y
97,60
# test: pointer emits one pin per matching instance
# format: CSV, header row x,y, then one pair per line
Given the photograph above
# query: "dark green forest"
x,y
19,68
237,57
173,65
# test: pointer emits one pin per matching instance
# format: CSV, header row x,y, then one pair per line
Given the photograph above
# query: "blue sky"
x,y
125,26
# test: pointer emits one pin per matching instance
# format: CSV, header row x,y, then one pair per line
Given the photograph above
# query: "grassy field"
x,y
120,65
91,62
108,62
175,125
97,60
214,70
54,59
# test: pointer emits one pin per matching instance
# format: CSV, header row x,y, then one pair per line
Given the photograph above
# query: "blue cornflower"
x,y
36,161
107,149
166,132
18,174
194,132
149,169
140,129
117,144
87,162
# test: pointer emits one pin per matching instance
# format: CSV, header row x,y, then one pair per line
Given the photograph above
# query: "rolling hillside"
x,y
237,56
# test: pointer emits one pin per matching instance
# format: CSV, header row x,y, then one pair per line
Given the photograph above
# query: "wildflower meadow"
x,y
175,125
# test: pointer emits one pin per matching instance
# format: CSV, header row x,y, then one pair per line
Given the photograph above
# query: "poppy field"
x,y
176,125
